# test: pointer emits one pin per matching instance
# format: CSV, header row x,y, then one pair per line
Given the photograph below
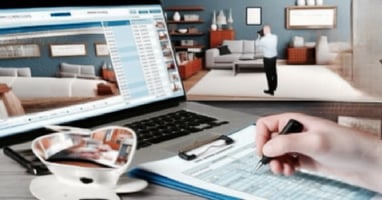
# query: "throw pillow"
x,y
8,71
224,50
24,71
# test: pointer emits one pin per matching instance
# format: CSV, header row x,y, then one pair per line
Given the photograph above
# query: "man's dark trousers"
x,y
271,73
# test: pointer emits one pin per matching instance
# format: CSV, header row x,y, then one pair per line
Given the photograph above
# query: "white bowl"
x,y
117,139
182,30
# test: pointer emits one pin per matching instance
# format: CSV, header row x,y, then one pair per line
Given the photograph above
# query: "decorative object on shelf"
x,y
301,2
213,24
230,19
319,2
310,2
322,50
193,29
185,33
182,30
221,20
176,16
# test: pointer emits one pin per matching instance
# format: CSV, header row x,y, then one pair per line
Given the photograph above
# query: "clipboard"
x,y
219,172
177,185
191,153
216,143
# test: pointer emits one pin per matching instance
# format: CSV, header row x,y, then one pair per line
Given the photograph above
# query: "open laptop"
x,y
93,64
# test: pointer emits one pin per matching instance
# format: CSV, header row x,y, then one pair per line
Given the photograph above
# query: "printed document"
x,y
230,170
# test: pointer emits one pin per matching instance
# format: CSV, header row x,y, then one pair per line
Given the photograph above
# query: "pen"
x,y
293,126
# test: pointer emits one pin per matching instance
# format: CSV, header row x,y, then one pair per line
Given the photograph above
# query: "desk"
x,y
14,183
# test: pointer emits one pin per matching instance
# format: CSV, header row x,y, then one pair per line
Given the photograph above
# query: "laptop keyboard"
x,y
171,125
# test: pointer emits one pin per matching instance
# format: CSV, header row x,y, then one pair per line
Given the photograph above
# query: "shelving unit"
x,y
174,26
190,68
187,42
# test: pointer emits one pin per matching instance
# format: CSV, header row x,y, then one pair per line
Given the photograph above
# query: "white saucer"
x,y
129,185
48,187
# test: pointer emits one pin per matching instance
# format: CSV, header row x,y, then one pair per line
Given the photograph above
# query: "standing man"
x,y
268,42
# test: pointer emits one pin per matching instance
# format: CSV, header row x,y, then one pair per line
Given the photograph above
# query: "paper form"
x,y
232,172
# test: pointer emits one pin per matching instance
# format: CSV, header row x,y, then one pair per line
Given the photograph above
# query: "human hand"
x,y
323,146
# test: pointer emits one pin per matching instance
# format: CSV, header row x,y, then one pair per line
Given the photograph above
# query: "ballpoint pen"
x,y
293,126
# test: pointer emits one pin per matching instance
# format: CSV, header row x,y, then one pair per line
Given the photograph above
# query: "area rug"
x,y
295,82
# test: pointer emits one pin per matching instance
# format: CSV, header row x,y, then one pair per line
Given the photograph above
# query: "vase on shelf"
x,y
310,2
230,19
301,2
176,16
213,24
214,27
221,20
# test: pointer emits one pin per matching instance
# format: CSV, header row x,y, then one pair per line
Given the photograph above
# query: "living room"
x,y
347,29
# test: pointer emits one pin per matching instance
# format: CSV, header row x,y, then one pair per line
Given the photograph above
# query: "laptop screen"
x,y
59,64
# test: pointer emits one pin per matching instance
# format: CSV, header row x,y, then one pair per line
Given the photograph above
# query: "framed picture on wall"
x,y
101,49
318,17
19,51
58,50
253,15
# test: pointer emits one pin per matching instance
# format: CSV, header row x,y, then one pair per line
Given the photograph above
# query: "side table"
x,y
301,55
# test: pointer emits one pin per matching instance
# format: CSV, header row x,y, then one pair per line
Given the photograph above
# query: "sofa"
x,y
16,71
230,51
45,87
68,70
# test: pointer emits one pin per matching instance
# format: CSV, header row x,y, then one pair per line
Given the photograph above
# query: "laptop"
x,y
93,64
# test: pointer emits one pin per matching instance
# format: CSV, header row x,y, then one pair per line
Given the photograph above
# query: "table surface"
x,y
14,183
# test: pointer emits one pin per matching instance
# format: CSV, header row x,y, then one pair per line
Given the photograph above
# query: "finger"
x,y
290,165
265,127
285,165
276,166
301,143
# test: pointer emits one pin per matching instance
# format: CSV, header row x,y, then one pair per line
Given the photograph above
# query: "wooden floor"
x,y
188,83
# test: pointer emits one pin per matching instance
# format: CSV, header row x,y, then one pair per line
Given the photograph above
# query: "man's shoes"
x,y
270,92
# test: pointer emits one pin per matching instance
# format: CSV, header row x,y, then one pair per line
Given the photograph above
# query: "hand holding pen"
x,y
323,147
293,126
